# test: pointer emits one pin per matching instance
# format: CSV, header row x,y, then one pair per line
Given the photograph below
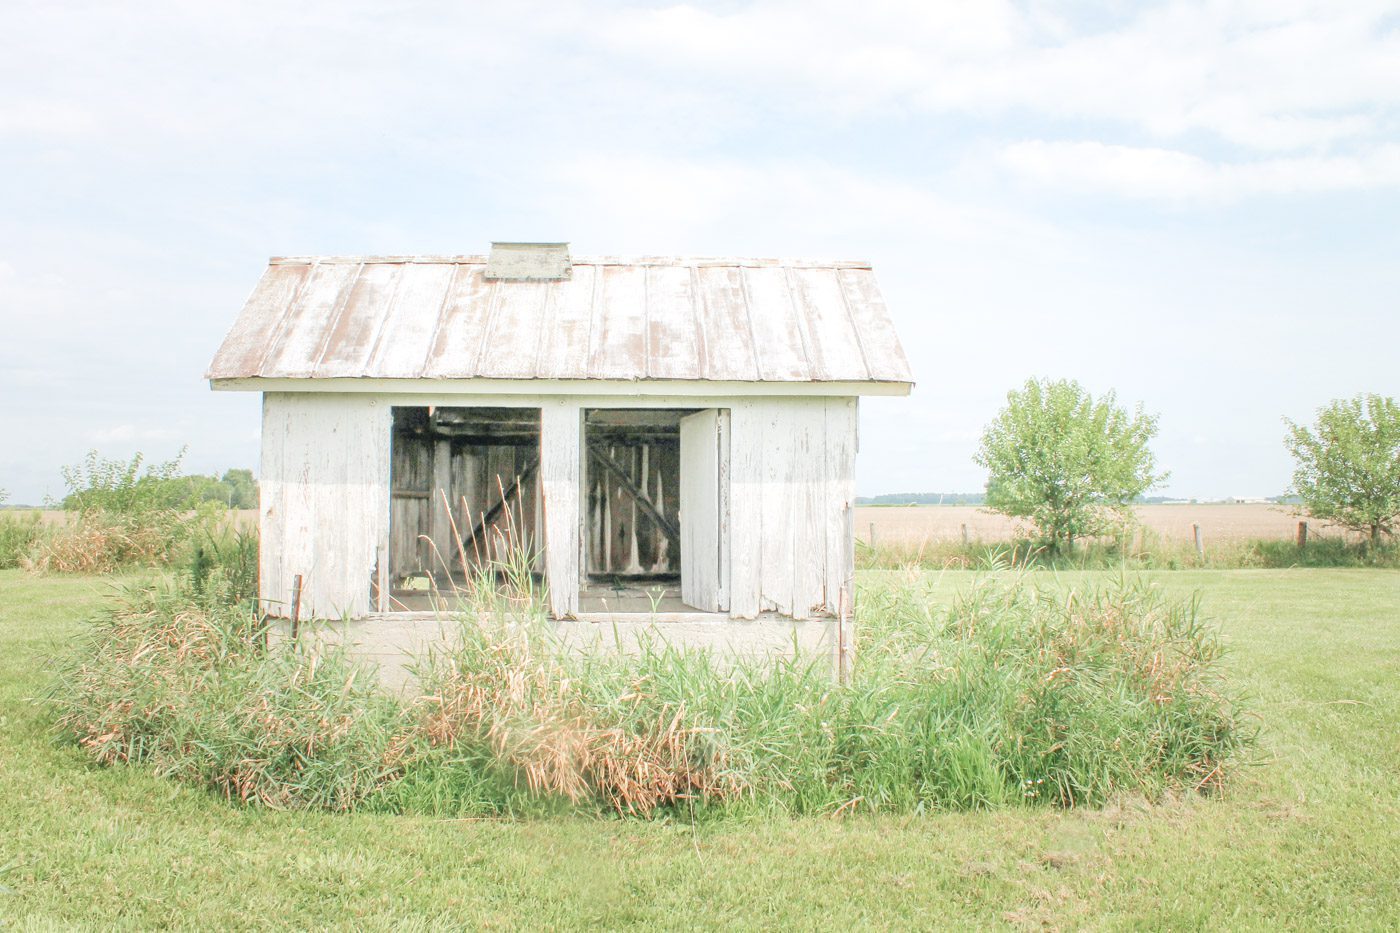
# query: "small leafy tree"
x,y
1348,464
122,487
1068,462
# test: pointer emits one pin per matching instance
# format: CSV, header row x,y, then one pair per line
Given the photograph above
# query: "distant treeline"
x,y
923,498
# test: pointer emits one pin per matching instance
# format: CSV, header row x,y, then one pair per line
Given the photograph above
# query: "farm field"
x,y
917,523
1303,838
1170,523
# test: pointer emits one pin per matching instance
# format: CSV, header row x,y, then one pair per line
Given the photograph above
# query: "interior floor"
x,y
622,596
632,596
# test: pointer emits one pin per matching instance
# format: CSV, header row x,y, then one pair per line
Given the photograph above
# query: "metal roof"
x,y
427,318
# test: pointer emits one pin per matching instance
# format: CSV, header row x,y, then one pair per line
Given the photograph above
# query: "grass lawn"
x,y
1308,837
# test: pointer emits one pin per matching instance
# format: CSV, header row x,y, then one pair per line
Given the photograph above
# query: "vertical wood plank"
x,y
560,476
700,511
839,566
807,505
746,552
443,554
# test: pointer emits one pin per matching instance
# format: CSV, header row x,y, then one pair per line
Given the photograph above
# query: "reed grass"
x,y
1015,694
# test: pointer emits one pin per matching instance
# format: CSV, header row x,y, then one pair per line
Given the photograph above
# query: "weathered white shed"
x,y
671,436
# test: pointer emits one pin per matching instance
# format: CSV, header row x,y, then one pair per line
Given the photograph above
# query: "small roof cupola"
x,y
528,262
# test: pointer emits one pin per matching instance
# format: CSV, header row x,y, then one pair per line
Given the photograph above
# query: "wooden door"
x,y
704,508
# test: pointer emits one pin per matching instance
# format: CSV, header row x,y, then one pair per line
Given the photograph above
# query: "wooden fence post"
x,y
964,534
841,601
872,534
296,605
1200,544
1302,535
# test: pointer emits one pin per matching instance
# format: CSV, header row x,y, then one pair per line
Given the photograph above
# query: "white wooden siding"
x,y
704,522
561,443
324,509
791,488
325,496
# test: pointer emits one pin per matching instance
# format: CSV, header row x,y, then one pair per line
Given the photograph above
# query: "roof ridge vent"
x,y
529,262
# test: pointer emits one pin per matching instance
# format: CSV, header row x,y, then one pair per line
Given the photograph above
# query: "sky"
x,y
1195,205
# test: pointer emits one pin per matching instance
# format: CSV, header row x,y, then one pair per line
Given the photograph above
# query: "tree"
x,y
1348,464
1066,461
243,489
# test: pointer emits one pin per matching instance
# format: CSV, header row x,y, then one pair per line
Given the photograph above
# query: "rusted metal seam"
x,y
593,305
646,322
441,315
389,307
286,315
802,322
545,318
341,303
702,349
850,319
748,316
490,318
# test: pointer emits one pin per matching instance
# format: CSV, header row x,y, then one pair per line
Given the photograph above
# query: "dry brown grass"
x,y
98,544
537,718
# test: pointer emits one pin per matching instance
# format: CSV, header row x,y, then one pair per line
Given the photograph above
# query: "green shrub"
x,y
19,536
125,513
223,564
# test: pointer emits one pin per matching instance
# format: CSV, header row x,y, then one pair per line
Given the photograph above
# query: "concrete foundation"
x,y
392,642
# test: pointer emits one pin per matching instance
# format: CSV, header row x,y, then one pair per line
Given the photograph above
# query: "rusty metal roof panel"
x,y
656,318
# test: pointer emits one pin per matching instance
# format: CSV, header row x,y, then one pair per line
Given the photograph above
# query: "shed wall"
x,y
324,507
325,496
791,492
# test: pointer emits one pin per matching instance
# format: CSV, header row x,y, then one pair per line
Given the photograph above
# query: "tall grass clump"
x,y
20,534
1012,693
182,684
1070,696
1008,692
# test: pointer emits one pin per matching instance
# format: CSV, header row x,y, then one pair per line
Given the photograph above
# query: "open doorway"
x,y
465,491
655,510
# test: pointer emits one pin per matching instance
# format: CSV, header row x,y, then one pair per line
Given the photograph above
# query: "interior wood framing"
x,y
465,488
632,495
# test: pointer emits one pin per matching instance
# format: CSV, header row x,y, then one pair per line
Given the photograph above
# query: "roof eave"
x,y
619,387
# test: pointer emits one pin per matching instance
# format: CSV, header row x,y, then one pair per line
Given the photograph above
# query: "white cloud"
x,y
793,204
1268,76
1165,174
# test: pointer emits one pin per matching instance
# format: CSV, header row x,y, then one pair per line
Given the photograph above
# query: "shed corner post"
x,y
561,439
